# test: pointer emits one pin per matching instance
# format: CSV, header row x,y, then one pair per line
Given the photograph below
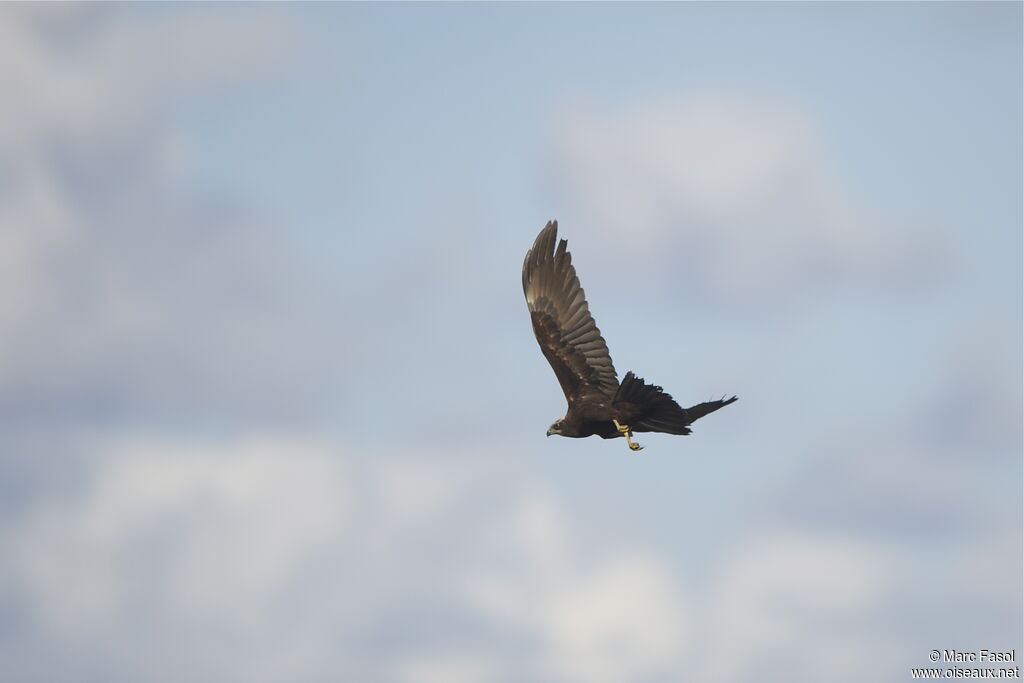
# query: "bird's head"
x,y
556,427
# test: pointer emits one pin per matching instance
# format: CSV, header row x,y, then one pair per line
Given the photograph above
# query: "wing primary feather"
x,y
566,330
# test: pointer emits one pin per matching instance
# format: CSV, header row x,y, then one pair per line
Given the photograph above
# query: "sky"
x,y
270,404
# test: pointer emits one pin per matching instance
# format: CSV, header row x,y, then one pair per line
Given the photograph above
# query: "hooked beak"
x,y
551,431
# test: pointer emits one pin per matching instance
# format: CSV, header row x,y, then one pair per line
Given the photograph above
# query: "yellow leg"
x,y
625,431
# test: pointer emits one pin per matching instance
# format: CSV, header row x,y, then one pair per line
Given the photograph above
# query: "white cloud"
x,y
738,187
298,557
237,525
601,619
447,667
784,605
93,75
622,622
117,287
282,557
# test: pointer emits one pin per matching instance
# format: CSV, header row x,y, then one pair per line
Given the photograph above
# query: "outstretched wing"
x,y
562,322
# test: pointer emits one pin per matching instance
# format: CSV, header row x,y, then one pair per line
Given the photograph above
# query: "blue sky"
x,y
271,395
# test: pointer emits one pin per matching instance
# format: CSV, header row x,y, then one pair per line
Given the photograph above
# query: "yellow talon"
x,y
625,431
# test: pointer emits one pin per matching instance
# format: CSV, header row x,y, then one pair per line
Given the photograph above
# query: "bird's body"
x,y
598,403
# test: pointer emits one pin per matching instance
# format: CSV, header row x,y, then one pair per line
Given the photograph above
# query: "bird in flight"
x,y
569,339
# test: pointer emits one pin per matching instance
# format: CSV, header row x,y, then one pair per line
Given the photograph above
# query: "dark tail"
x,y
647,408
